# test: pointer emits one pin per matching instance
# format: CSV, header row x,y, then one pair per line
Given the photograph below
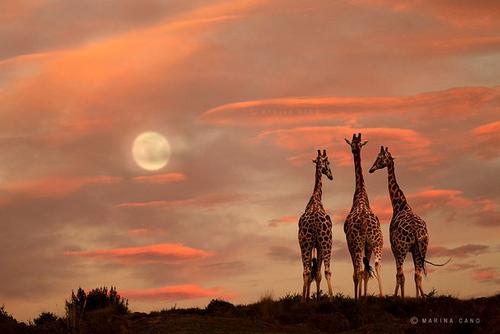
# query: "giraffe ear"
x,y
347,141
364,143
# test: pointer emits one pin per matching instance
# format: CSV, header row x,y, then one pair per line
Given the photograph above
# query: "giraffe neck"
x,y
398,199
360,195
317,185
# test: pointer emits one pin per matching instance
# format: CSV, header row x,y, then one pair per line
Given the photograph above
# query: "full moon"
x,y
151,150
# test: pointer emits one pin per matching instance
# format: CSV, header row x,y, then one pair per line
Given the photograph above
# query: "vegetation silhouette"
x,y
105,311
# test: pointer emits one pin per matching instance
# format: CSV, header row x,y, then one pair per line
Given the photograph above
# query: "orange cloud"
x,y
284,220
142,232
298,110
435,198
73,92
486,275
457,13
487,137
205,201
177,292
481,211
461,251
56,187
144,254
405,142
160,178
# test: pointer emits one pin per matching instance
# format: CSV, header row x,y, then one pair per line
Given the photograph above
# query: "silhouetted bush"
x,y
45,318
284,315
9,325
48,322
219,307
82,308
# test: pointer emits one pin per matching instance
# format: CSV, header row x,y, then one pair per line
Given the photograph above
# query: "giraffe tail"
x,y
368,268
438,264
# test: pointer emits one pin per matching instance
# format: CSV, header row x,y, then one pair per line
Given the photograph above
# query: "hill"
x,y
440,314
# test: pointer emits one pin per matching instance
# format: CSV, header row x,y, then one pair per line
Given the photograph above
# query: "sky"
x,y
245,92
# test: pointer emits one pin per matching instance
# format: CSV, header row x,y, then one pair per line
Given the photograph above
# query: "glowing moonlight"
x,y
151,150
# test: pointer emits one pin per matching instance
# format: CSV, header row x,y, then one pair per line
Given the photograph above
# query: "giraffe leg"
x,y
360,282
418,262
357,271
318,273
400,279
366,270
420,284
308,284
366,277
379,279
418,279
328,272
355,280
306,262
399,255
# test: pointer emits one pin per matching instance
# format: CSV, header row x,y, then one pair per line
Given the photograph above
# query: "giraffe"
x,y
362,227
315,232
408,232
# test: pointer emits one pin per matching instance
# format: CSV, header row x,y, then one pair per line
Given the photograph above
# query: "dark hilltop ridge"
x,y
104,311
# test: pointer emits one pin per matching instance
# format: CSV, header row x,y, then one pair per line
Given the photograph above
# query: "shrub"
x,y
8,324
45,318
217,306
5,316
96,299
82,304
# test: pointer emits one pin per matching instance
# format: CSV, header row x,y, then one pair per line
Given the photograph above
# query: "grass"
x,y
288,315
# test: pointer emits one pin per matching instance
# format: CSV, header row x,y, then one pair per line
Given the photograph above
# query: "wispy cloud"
x,y
177,292
283,220
204,201
160,178
56,187
144,254
297,110
460,251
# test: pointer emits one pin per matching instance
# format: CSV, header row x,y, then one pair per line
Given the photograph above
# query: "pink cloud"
x,y
177,292
56,187
144,254
160,178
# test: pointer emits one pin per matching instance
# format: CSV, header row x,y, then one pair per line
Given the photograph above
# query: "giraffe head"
x,y
384,159
356,143
323,164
